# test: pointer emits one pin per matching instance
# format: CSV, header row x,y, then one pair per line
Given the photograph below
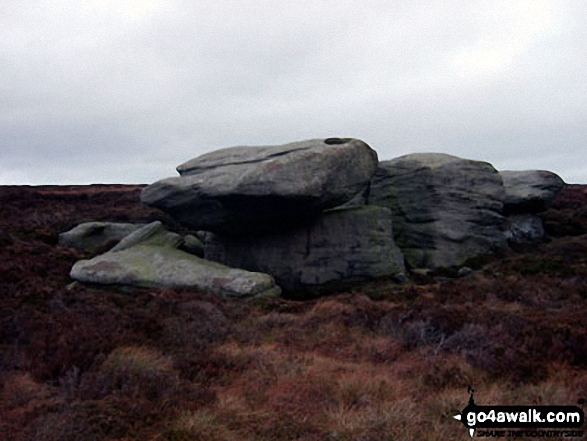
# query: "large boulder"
x,y
150,258
257,189
338,247
94,237
530,191
446,210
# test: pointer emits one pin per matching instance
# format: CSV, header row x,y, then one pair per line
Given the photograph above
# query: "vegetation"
x,y
377,361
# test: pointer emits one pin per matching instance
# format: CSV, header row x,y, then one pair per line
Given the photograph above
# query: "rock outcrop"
x,y
530,191
316,214
94,237
149,257
446,210
339,246
258,189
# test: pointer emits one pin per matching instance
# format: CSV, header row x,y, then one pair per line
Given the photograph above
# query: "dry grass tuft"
x,y
202,425
139,361
20,389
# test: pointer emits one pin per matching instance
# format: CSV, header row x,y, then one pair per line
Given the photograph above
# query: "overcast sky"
x,y
112,91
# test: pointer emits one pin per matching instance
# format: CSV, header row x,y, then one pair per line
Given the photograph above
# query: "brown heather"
x,y
377,361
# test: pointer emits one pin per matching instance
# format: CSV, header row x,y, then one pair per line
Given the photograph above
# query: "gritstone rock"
x,y
193,245
445,209
257,189
93,237
339,246
530,191
149,257
523,228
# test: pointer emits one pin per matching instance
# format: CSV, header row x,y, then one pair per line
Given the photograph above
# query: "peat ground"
x,y
377,361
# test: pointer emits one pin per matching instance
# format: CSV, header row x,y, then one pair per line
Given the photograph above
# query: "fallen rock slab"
x,y
94,237
153,234
149,258
258,189
446,210
340,246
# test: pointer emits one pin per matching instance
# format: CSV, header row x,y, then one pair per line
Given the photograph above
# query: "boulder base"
x,y
340,246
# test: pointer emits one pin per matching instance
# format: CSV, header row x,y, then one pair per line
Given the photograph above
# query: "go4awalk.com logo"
x,y
522,421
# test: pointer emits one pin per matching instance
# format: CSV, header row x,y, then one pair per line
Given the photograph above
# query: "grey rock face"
x,y
530,191
445,209
339,246
523,228
93,237
150,258
256,189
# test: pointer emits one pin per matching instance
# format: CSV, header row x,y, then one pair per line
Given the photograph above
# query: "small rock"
x,y
191,244
524,228
464,271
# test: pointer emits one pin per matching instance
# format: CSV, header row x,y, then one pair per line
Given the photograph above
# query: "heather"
x,y
377,360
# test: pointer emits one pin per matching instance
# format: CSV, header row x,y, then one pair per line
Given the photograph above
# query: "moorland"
x,y
377,360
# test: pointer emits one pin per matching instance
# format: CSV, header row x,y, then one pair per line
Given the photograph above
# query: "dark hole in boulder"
x,y
334,141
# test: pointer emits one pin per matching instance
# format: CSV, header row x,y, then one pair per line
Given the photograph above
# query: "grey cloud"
x,y
124,91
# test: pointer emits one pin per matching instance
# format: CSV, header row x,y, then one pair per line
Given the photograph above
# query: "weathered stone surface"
x,y
150,259
358,201
153,234
340,246
93,237
445,209
530,191
254,189
523,228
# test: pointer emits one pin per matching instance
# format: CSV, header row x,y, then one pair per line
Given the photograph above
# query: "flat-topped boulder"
x,y
530,191
256,189
339,247
149,257
445,209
